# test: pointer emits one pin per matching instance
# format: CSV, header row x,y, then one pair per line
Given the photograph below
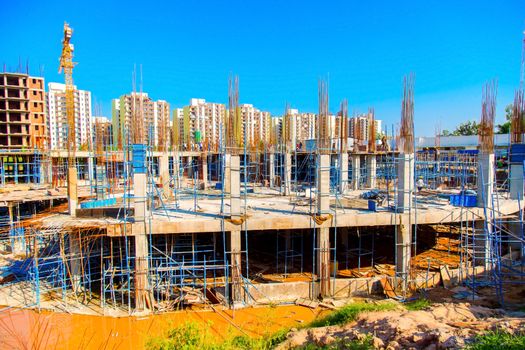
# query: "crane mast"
x,y
66,65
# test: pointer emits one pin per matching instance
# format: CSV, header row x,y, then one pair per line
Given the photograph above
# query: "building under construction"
x,y
127,228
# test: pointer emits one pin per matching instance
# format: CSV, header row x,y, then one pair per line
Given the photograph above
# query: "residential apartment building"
x,y
257,124
359,127
22,112
102,131
199,124
140,119
57,119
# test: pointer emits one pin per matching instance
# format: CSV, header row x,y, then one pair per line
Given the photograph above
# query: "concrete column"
x,y
75,262
323,234
226,183
91,167
235,187
235,235
405,184
18,244
142,300
356,171
371,166
323,184
42,178
236,282
343,172
287,174
176,169
164,174
403,252
204,160
516,180
190,167
271,169
72,194
485,180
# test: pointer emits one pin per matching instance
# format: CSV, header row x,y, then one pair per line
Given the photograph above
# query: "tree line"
x,y
470,127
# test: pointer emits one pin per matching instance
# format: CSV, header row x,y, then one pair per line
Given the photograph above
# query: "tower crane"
x,y
67,65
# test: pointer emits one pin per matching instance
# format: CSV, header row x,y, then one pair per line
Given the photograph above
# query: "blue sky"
x,y
280,49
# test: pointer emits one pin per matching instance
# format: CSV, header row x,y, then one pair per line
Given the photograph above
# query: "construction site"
x,y
132,228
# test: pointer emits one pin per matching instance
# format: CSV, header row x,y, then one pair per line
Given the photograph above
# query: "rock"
x,y
451,342
393,345
431,347
378,343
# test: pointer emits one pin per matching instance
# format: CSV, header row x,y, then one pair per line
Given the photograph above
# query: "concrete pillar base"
x,y
403,251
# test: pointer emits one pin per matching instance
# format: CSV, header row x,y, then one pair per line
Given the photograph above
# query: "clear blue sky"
x,y
279,49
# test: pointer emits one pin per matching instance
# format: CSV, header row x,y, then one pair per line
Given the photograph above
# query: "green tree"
x,y
467,128
505,127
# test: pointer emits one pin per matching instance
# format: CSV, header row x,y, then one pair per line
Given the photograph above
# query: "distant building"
x,y
359,127
102,131
138,113
257,124
57,118
199,124
22,112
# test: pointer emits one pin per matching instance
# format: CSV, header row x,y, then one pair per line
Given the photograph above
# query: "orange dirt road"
x,y
27,329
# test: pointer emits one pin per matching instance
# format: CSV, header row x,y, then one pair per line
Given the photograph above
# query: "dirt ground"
x,y
441,326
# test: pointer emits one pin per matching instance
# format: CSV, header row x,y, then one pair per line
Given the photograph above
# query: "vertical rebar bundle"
x,y
371,131
323,129
343,128
517,124
488,113
406,132
233,116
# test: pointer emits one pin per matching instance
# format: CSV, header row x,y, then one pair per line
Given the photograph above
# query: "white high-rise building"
x,y
57,119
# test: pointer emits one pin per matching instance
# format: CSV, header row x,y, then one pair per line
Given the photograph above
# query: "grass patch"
x,y
196,336
498,341
349,313
419,304
365,344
